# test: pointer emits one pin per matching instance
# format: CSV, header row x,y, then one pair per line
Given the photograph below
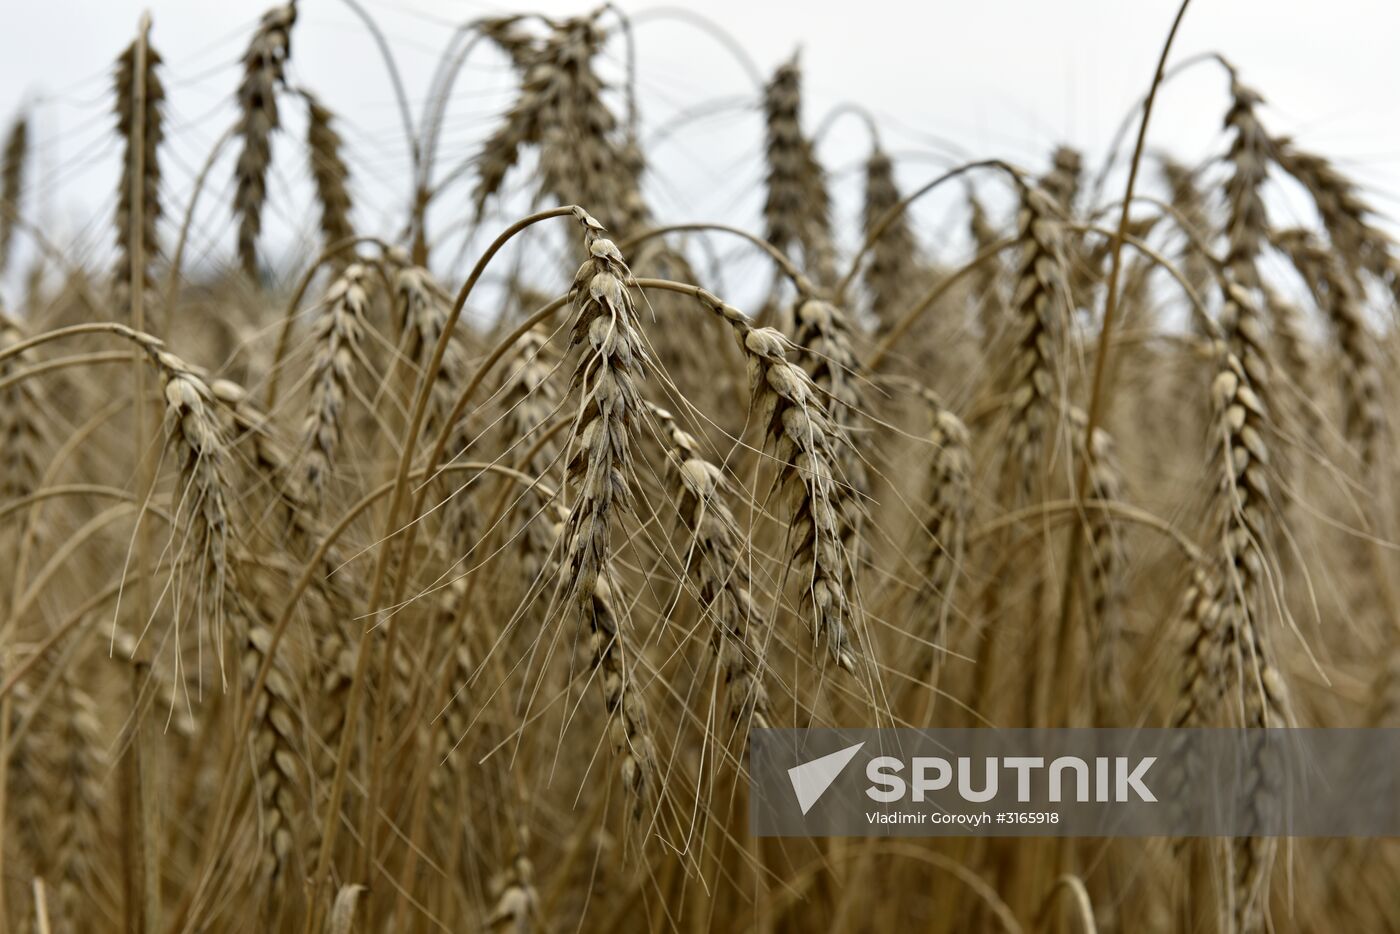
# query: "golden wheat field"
x,y
430,572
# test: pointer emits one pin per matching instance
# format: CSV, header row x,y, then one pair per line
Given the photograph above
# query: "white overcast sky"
x,y
1009,78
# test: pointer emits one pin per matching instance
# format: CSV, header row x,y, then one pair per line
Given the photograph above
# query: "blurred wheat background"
x,y
404,530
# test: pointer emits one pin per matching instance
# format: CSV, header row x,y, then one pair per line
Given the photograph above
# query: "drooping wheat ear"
x,y
521,127
12,166
264,67
328,171
1191,207
423,308
893,257
1336,295
77,831
276,747
517,907
803,439
1107,561
720,573
145,130
195,434
505,33
337,339
829,358
561,109
1039,313
797,209
611,659
23,431
582,158
1063,180
1249,154
612,359
1345,214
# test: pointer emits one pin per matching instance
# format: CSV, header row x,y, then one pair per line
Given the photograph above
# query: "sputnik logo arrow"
x,y
810,780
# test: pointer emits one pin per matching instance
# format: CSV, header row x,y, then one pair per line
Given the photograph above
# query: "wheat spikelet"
x,y
1345,214
1039,320
797,208
455,717
517,907
1063,180
23,430
1339,302
29,779
423,308
528,394
78,820
151,125
337,338
991,308
949,503
1200,619
276,750
1190,204
12,170
1106,563
264,66
893,257
329,172
720,574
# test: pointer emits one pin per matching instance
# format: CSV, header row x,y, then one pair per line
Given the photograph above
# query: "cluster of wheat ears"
x,y
325,606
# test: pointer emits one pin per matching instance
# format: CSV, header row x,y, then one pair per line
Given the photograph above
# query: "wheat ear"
x,y
264,71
